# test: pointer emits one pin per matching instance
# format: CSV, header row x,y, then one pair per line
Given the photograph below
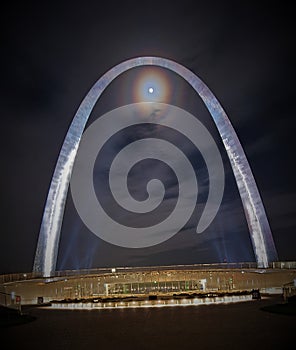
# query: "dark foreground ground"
x,y
230,326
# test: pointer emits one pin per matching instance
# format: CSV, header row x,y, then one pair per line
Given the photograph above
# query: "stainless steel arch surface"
x,y
49,236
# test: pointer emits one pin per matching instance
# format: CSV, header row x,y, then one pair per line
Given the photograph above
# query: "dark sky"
x,y
53,52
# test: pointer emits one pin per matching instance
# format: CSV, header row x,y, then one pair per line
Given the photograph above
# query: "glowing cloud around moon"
x,y
152,85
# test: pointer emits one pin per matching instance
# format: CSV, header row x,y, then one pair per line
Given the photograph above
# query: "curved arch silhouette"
x,y
48,241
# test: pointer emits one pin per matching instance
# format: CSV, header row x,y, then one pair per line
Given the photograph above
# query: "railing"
x,y
106,270
12,277
243,265
284,265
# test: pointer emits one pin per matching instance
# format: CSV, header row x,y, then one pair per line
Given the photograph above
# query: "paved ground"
x,y
232,326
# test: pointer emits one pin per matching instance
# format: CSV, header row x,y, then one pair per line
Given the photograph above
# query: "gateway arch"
x,y
49,235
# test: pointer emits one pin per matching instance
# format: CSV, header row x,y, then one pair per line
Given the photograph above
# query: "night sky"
x,y
53,52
